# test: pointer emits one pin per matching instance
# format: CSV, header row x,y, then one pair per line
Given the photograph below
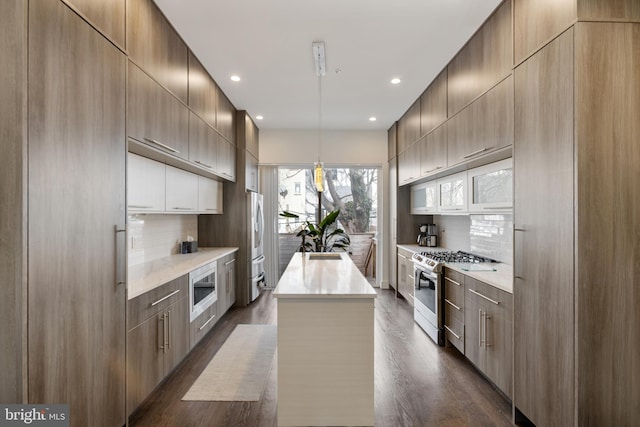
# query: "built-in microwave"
x,y
202,289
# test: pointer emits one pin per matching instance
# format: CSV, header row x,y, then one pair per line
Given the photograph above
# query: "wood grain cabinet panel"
x,y
433,104
225,117
204,323
544,237
485,125
537,23
454,309
155,46
409,164
433,152
391,141
409,127
623,10
203,92
76,176
203,144
226,159
108,16
482,62
607,111
156,117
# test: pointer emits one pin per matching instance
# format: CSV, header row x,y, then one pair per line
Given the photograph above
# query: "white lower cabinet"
x,y
182,191
145,184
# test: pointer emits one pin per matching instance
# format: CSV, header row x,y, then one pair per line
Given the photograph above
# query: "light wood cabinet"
x,y
406,284
433,104
145,184
225,117
158,339
251,173
622,10
76,255
454,308
182,191
226,282
203,144
203,91
433,152
409,164
155,117
391,141
536,23
107,16
482,62
209,196
544,238
155,47
393,223
484,126
409,127
488,327
202,324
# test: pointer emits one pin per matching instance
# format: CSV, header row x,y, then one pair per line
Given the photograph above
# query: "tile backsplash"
x,y
150,237
485,235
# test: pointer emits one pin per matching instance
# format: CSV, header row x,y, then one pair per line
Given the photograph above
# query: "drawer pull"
x,y
178,208
160,144
452,304
482,150
452,281
165,297
451,332
485,297
139,206
402,256
207,322
203,164
230,262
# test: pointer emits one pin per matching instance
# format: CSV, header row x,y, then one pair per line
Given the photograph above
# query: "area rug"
x,y
239,370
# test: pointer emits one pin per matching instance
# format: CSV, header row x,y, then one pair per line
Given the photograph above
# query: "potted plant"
x,y
322,237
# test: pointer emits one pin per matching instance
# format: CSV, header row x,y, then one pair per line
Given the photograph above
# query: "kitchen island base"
x,y
325,362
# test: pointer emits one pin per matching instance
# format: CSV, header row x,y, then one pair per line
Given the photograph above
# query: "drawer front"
x,y
476,287
203,324
452,312
454,333
146,305
454,291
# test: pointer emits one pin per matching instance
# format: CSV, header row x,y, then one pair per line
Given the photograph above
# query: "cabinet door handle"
x,y
230,262
160,144
480,328
482,150
206,323
121,277
178,208
452,304
169,329
203,164
451,332
402,256
452,281
139,206
485,297
518,252
486,340
495,208
162,319
164,298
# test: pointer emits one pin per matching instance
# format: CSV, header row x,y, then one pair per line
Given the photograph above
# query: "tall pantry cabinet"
x,y
67,326
576,157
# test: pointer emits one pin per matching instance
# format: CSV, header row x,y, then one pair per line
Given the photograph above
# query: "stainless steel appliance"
x,y
202,289
257,277
428,235
427,268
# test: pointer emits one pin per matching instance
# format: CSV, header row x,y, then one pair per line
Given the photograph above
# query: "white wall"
x,y
293,147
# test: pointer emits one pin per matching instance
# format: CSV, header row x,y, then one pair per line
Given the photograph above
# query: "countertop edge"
x,y
316,297
137,287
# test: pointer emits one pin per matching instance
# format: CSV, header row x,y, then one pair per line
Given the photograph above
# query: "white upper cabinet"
x,y
145,184
491,187
209,196
452,194
424,198
182,191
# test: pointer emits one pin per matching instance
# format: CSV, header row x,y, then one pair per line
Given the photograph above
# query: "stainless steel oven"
x,y
428,302
203,291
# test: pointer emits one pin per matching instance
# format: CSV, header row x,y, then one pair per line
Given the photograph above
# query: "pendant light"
x,y
321,69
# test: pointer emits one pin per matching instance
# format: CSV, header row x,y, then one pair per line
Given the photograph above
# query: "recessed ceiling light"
x,y
235,78
259,117
372,119
395,81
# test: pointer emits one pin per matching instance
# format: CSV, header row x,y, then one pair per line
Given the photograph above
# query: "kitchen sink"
x,y
322,256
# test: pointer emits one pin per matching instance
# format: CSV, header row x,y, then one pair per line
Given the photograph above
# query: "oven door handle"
x,y
258,260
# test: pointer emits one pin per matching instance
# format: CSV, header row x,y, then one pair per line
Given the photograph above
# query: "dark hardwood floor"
x,y
416,382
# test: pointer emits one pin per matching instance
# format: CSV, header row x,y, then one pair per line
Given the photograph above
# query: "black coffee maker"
x,y
428,235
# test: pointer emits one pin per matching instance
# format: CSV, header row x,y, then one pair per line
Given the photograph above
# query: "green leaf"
x,y
288,214
329,219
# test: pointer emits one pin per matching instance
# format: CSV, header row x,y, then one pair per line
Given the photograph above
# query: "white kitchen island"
x,y
325,343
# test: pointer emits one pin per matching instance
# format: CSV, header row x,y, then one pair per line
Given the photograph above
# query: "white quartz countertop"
x,y
502,278
309,278
149,275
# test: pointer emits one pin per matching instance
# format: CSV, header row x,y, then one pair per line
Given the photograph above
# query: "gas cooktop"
x,y
459,256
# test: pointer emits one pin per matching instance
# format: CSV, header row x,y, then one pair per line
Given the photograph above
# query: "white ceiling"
x,y
268,44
